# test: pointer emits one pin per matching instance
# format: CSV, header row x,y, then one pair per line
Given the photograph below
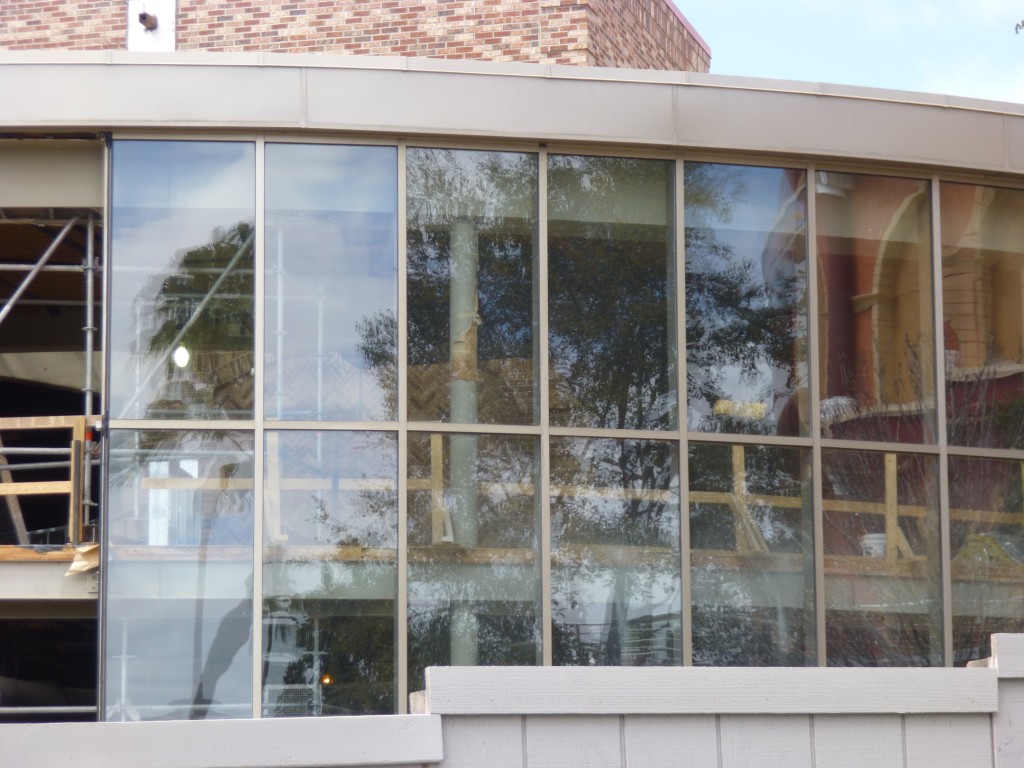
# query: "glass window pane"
x,y
472,221
474,576
330,517
986,498
615,552
181,327
876,343
752,556
331,282
746,283
883,602
178,620
611,262
983,324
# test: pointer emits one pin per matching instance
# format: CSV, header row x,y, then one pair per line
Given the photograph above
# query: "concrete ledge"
x,y
705,690
293,742
1008,655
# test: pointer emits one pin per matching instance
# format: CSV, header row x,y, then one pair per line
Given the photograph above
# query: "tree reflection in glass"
x,y
881,531
751,559
611,292
471,229
746,312
986,499
615,552
474,575
182,245
329,573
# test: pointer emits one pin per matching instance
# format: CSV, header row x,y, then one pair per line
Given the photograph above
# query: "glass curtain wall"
x,y
330,499
330,552
983,352
331,273
875,339
616,589
473,507
178,618
181,328
180,501
441,440
611,302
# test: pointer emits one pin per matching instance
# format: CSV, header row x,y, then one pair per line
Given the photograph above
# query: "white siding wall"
x,y
734,718
510,717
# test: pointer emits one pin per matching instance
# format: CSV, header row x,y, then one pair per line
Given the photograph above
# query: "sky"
x,y
957,47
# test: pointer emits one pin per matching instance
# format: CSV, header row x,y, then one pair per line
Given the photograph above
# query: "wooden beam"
x,y
892,507
437,510
39,488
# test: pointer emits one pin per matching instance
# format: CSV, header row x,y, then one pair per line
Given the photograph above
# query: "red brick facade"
x,y
69,24
643,34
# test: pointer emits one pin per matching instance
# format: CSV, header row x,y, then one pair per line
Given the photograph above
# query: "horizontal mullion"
x,y
180,425
880,447
634,434
480,429
738,438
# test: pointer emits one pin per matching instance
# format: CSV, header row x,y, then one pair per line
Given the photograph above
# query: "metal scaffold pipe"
x,y
36,269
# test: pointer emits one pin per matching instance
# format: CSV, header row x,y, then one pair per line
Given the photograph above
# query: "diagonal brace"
x,y
37,268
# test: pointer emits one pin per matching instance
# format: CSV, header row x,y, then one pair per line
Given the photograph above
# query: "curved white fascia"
x,y
390,97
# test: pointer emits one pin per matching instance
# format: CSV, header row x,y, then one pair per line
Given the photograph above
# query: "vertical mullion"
x,y
259,318
547,634
814,380
102,523
939,361
679,265
402,576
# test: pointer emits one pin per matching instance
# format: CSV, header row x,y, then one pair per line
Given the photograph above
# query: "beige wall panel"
x,y
766,741
1008,724
486,106
51,174
803,124
154,96
858,741
949,741
483,742
659,741
291,741
414,97
44,580
700,690
557,742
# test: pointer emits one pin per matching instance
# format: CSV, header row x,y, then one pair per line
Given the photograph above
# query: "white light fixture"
x,y
181,357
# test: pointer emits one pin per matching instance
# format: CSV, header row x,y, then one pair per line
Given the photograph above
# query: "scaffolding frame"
x,y
75,457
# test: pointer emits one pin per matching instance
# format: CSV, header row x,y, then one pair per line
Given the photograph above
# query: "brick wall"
x,y
632,33
68,24
497,30
643,34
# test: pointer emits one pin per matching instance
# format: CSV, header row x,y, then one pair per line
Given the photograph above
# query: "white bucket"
x,y
873,545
